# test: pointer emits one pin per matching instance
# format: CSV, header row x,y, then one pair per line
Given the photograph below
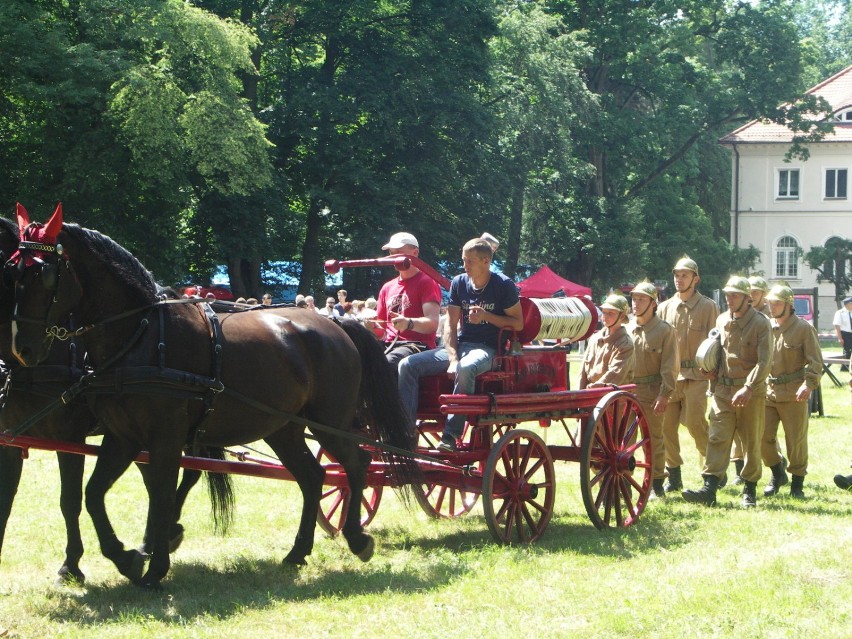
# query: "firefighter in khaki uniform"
x,y
609,354
739,396
796,371
655,368
759,290
693,316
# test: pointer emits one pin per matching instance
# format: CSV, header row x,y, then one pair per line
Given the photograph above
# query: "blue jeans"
x,y
473,359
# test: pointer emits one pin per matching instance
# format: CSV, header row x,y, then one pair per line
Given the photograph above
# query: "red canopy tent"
x,y
546,283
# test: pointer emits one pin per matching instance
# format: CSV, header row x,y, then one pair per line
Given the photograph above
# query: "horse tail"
x,y
220,489
381,406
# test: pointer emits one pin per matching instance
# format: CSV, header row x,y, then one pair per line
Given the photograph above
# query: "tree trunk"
x,y
516,219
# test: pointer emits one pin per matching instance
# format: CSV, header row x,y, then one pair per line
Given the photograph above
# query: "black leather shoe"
x,y
843,482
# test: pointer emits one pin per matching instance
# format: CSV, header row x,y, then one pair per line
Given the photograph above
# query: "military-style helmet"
x,y
737,284
616,302
758,283
686,263
780,293
645,288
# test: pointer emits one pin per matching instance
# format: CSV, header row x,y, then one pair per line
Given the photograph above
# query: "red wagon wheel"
x,y
335,501
437,500
518,487
615,461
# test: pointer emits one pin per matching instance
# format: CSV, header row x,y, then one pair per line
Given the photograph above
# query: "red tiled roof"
x,y
837,91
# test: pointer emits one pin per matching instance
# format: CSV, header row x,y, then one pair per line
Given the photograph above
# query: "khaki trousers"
x,y
687,406
794,418
647,395
725,420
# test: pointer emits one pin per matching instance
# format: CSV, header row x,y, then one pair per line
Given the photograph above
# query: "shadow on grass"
x,y
200,590
660,528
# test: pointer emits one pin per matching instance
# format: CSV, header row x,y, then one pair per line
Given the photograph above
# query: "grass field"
x,y
781,570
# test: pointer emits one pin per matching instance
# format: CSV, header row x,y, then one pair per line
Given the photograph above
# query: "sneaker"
x,y
448,444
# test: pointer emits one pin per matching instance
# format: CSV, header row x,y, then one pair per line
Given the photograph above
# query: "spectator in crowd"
x,y
328,310
341,300
843,329
656,365
266,299
482,303
739,394
252,301
693,316
795,373
609,353
309,300
407,306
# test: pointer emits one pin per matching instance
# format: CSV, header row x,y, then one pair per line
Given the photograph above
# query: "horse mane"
x,y
113,256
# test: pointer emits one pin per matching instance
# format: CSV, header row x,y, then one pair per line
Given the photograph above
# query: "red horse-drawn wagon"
x,y
509,467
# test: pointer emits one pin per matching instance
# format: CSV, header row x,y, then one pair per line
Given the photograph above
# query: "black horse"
x,y
189,379
27,392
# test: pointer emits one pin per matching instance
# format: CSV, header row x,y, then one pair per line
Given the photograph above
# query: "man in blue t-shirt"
x,y
481,303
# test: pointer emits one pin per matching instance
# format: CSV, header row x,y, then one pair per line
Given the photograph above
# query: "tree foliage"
x,y
251,132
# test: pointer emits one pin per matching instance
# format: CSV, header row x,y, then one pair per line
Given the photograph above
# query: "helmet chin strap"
x,y
745,302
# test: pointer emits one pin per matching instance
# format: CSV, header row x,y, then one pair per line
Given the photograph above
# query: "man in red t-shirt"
x,y
408,306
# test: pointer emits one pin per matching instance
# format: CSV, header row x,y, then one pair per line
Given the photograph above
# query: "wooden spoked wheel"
x,y
335,501
437,500
615,461
518,487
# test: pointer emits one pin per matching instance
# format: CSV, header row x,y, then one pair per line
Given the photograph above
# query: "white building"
x,y
786,208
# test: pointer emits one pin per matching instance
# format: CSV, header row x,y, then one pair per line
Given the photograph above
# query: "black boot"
x,y
738,464
796,487
779,478
749,494
657,490
706,494
843,481
674,482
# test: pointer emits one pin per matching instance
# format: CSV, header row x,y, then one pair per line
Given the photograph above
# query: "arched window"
x,y
844,115
787,258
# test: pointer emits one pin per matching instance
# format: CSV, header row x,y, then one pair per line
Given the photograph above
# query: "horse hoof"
x,y
151,584
132,565
367,553
296,562
177,538
70,577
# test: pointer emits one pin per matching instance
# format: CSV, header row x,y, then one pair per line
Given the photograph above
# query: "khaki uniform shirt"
x,y
746,353
655,354
608,358
763,309
796,349
692,320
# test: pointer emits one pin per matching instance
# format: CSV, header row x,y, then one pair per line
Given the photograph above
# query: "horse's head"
x,y
46,289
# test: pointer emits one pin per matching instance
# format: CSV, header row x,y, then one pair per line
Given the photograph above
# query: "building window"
x,y
843,116
835,183
788,184
787,258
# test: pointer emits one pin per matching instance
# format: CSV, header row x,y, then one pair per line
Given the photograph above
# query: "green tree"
x,y
129,112
833,263
539,99
376,114
670,76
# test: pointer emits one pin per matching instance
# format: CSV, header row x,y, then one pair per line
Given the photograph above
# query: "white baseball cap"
x,y
398,240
